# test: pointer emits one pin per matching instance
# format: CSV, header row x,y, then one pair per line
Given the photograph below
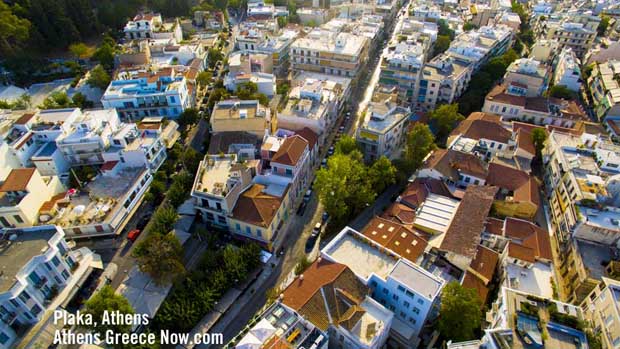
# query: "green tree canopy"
x,y
14,31
79,50
346,145
603,25
57,100
539,136
188,117
441,45
204,78
160,256
106,300
105,53
445,118
382,174
461,312
561,91
99,78
420,142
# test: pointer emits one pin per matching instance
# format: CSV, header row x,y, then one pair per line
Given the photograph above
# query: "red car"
x,y
133,235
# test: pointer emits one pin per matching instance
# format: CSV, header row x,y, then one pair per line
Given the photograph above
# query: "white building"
x,y
40,272
139,93
383,130
142,26
567,71
406,289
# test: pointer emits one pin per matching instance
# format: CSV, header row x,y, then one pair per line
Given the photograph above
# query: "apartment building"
x,y
567,71
401,66
519,319
477,46
576,31
314,101
217,186
602,308
443,79
529,73
40,272
140,93
142,26
322,51
240,115
292,160
383,130
511,103
581,181
22,193
605,90
481,133
404,288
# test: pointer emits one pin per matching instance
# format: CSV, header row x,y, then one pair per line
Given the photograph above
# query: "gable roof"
x,y
256,207
463,235
290,151
528,241
472,281
17,180
450,162
310,136
400,213
485,262
480,125
325,294
415,193
24,118
522,184
396,237
524,141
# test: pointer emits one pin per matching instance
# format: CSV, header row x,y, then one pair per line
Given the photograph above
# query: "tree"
x,y
105,53
57,100
561,91
461,312
382,174
14,31
80,101
441,45
603,25
282,88
214,55
445,118
444,29
160,256
163,220
469,26
282,22
79,50
204,78
346,145
188,117
344,187
539,136
420,142
106,300
99,78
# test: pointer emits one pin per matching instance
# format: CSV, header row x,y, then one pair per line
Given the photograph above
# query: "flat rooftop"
x,y
416,278
535,280
360,255
16,249
214,173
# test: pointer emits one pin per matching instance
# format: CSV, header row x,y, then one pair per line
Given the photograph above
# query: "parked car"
x,y
324,163
133,235
311,242
307,195
341,129
324,217
143,222
330,151
302,208
317,228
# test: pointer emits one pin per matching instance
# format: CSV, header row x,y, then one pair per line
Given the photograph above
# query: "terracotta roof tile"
x,y
463,235
472,281
310,136
24,118
482,125
400,213
485,262
524,141
405,242
17,180
450,162
290,151
529,235
255,207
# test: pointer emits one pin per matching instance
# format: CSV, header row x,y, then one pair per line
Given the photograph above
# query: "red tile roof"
x,y
472,281
483,126
310,136
108,165
529,236
400,213
290,151
24,118
255,207
405,242
463,235
485,262
17,180
450,162
316,276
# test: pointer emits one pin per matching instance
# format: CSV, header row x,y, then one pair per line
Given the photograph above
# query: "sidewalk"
x,y
231,304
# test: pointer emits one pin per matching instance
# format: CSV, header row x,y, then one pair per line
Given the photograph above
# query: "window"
x,y
395,297
35,310
420,301
48,266
402,314
4,222
409,293
400,288
34,277
3,338
416,310
259,232
238,227
56,261
15,303
172,99
406,304
385,291
65,274
248,230
24,296
18,218
373,283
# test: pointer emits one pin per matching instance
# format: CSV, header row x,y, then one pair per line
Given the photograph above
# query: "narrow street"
x,y
301,226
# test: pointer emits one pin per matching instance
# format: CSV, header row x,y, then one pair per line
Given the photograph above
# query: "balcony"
x,y
41,283
9,318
